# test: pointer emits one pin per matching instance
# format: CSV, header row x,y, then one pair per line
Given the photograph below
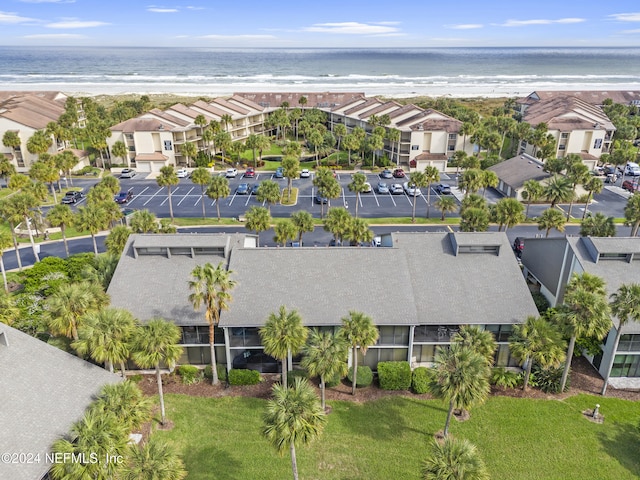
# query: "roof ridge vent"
x,y
3,339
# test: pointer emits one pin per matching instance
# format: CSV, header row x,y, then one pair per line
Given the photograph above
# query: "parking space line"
x,y
392,199
159,190
185,196
375,196
167,199
136,196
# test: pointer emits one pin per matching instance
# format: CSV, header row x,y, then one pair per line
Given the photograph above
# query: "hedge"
x,y
238,376
222,372
394,375
190,374
420,380
365,376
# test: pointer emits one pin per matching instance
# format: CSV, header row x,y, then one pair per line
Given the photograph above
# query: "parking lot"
x,y
187,198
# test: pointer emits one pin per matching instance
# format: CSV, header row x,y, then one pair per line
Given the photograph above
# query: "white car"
x,y
366,187
127,173
182,173
305,173
411,189
231,173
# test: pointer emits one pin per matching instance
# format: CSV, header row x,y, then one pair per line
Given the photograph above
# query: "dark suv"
x,y
72,196
124,196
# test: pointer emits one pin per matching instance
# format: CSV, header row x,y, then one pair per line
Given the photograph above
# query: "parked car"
x,y
127,173
250,173
242,189
182,173
254,188
305,173
231,173
443,189
124,196
366,187
411,189
518,246
396,189
320,199
256,360
279,172
383,188
376,242
398,173
386,174
630,186
632,169
72,196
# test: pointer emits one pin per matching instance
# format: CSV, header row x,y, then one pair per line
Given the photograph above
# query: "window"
x,y
434,333
626,366
597,144
393,336
423,353
129,136
244,337
415,147
167,145
629,343
500,332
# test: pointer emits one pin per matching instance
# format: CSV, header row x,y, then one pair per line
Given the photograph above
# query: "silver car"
x,y
383,188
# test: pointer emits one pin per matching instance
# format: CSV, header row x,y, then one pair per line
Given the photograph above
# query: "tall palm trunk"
x,y
214,369
284,373
413,211
122,370
448,421
64,239
15,245
33,243
203,206
4,275
613,357
357,202
527,374
95,244
294,462
322,392
567,364
355,371
160,394
170,204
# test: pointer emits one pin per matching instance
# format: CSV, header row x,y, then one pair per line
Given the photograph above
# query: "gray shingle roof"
x,y
43,391
517,170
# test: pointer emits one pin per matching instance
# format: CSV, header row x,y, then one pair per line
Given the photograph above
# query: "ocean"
x,y
455,72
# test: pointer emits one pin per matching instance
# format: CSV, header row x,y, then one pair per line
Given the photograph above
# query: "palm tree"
x,y
593,185
10,214
471,180
394,135
201,176
338,222
269,192
69,305
454,459
39,143
558,190
315,138
480,341
461,378
284,230
168,178
537,340
551,218
143,221
126,401
577,172
598,226
431,176
283,335
5,242
489,179
632,214
359,232
303,222
153,460
359,332
117,239
45,172
625,306
474,219
9,311
22,204
532,191
156,343
358,186
325,356
91,218
189,150
446,204
258,219
61,215
218,188
226,119
293,416
351,142
291,167
97,436
211,287
11,139
585,313
119,150
105,336
509,212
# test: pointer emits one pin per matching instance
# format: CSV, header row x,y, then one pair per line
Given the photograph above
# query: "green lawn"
x,y
219,438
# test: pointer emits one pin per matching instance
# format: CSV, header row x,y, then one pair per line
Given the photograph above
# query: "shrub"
x,y
365,376
137,378
542,304
333,381
420,380
549,379
293,374
190,374
501,377
222,372
239,376
394,375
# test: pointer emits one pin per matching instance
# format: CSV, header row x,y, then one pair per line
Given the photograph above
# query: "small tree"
x,y
218,188
303,222
551,218
454,459
201,176
359,332
168,178
258,219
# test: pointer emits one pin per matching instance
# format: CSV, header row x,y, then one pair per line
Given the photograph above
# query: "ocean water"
x,y
455,72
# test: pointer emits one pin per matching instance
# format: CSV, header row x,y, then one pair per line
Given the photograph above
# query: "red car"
x,y
398,173
630,186
250,173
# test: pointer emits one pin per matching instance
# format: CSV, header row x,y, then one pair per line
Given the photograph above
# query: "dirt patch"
x,y
584,379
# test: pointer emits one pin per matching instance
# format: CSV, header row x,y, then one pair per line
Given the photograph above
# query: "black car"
x,y
320,199
72,196
124,196
256,360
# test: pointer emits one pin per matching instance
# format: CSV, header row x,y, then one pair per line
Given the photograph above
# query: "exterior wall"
x,y
24,133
